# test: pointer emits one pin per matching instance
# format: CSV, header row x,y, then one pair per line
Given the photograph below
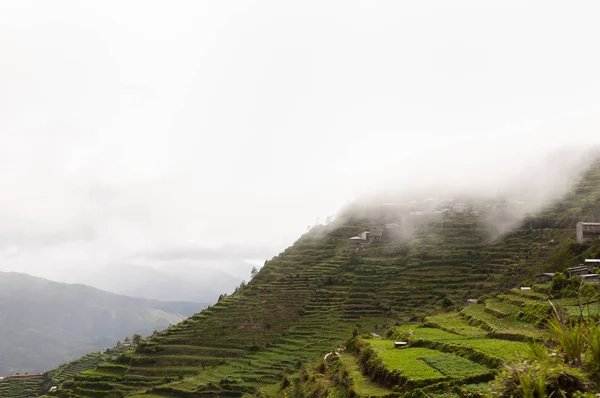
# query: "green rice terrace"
x,y
263,339
451,354
32,385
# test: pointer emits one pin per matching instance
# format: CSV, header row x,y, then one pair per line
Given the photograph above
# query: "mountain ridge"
x,y
45,323
313,295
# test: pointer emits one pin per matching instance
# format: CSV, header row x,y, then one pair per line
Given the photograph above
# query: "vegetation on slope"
x,y
44,323
309,298
447,356
32,385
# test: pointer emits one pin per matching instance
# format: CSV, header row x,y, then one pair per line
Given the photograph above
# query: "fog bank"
x,y
213,134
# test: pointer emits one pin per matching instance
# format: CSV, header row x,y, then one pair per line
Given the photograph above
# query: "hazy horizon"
x,y
204,134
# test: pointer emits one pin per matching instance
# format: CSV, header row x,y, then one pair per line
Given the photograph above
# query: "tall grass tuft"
x,y
591,333
539,380
569,336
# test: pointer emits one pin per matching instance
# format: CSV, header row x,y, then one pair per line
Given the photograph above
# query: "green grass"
x,y
309,298
454,366
507,325
454,323
479,388
504,349
588,310
364,386
408,360
428,333
501,307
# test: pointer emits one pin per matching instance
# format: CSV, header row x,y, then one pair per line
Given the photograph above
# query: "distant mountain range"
x,y
45,323
323,290
173,283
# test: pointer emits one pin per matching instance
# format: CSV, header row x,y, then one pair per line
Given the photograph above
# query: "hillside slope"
x,y
314,294
45,323
32,385
466,354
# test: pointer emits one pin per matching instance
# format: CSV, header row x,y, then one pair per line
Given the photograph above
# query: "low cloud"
x,y
233,253
220,134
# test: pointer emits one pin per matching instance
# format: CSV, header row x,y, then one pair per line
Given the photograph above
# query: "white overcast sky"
x,y
221,129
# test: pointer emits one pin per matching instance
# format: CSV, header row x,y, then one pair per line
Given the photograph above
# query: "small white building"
x,y
460,208
587,231
590,278
356,242
579,270
470,302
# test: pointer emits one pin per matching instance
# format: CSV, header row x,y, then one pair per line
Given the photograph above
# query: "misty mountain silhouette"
x,y
45,323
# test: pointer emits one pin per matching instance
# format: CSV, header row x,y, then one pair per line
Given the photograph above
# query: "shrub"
x,y
447,302
540,380
400,334
352,391
535,312
285,382
570,339
591,333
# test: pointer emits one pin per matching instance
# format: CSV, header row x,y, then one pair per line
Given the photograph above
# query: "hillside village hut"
x,y
579,270
592,262
545,277
460,208
376,234
590,278
356,242
470,302
587,231
365,235
444,212
127,342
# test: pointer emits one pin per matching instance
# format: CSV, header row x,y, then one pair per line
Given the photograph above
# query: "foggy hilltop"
x,y
503,202
276,199
415,296
201,144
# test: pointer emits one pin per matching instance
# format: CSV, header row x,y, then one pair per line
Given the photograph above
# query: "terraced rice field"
x,y
408,360
454,366
508,325
458,348
452,322
311,297
22,386
364,386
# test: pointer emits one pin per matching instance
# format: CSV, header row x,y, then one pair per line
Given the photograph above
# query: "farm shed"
x,y
587,231
545,277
